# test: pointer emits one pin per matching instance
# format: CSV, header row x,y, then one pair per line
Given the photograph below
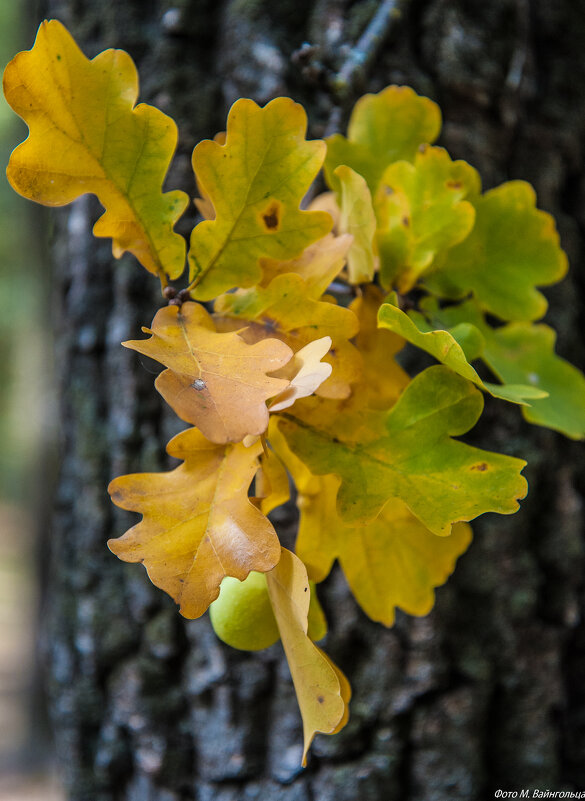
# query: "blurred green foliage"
x,y
21,402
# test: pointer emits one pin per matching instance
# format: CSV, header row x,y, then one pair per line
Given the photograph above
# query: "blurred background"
x,y
26,772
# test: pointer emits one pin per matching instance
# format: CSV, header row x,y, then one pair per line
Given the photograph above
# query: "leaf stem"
x,y
264,445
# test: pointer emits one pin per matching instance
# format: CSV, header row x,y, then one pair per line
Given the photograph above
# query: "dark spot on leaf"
x,y
388,190
306,588
406,222
320,699
481,466
454,184
58,56
422,148
271,216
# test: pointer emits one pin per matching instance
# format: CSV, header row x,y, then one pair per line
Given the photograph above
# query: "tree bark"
x,y
487,691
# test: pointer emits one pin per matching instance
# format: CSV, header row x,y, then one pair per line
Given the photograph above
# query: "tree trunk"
x,y
487,691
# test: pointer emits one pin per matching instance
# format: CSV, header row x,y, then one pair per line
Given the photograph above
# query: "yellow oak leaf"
x,y
326,201
255,182
423,209
358,219
319,264
392,562
283,310
395,561
87,135
271,483
198,523
215,381
322,690
309,374
203,203
316,500
385,127
383,378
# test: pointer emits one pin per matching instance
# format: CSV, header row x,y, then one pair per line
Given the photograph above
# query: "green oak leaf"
x,y
524,352
513,248
446,348
383,128
422,210
411,454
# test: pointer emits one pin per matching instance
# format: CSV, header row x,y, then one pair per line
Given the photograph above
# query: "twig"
x,y
361,56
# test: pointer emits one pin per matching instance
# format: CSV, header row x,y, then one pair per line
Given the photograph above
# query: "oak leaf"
x,y
198,523
286,311
524,352
215,381
357,218
308,373
409,453
271,483
444,346
513,248
87,135
422,210
392,562
255,182
319,264
322,690
385,127
383,379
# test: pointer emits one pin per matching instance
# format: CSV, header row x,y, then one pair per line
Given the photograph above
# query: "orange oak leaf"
x,y
215,381
198,523
285,310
